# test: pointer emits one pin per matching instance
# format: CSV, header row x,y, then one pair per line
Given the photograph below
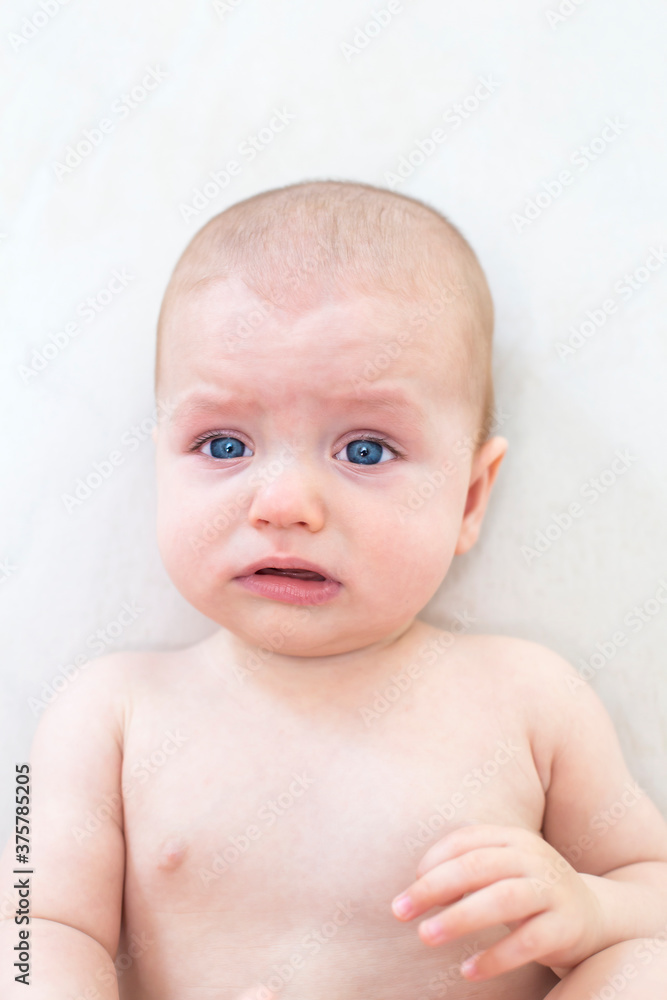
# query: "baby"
x,y
329,799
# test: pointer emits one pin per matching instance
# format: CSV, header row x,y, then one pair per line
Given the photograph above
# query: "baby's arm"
x,y
77,886
597,877
600,820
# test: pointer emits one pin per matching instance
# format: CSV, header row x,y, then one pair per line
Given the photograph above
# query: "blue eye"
x,y
365,452
361,451
224,447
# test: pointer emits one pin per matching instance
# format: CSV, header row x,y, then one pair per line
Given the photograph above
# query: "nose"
x,y
290,496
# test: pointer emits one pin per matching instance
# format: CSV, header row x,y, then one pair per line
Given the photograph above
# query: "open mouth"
x,y
298,574
289,584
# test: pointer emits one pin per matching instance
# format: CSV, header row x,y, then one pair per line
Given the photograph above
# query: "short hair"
x,y
290,243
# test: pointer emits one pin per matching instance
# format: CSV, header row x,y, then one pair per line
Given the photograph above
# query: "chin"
x,y
291,631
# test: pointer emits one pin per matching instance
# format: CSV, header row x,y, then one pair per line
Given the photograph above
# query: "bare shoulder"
x,y
110,702
95,693
128,670
505,660
528,687
539,679
134,675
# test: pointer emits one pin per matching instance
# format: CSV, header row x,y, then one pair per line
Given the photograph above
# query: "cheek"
x,y
424,530
185,531
412,538
175,539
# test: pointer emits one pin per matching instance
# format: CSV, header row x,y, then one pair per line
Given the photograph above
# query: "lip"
x,y
288,590
285,562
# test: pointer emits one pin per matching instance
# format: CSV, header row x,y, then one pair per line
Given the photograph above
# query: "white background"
x,y
68,573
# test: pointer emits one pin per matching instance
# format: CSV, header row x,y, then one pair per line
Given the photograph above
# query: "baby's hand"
x,y
257,993
516,878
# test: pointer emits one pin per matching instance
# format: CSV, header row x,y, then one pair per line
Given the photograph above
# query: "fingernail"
x,y
469,967
433,930
402,906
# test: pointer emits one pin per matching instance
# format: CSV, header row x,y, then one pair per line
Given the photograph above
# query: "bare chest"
x,y
276,841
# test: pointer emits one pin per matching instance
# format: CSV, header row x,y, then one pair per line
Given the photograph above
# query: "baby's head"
x,y
324,378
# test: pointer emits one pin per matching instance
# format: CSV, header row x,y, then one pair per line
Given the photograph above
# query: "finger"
x,y
448,882
534,939
510,899
467,838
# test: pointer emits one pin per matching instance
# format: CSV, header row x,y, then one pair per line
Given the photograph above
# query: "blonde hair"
x,y
293,243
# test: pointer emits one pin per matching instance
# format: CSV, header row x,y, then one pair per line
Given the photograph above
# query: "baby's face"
x,y
264,455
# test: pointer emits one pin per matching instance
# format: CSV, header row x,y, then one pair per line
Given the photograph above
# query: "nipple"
x,y
172,853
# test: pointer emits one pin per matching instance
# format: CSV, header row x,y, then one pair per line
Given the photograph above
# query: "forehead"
x,y
220,332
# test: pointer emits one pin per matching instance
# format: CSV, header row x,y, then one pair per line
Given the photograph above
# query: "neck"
x,y
247,660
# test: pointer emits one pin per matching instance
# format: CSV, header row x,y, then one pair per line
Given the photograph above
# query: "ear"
x,y
485,465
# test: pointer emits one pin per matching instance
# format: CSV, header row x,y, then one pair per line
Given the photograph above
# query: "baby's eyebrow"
x,y
192,405
208,403
392,400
